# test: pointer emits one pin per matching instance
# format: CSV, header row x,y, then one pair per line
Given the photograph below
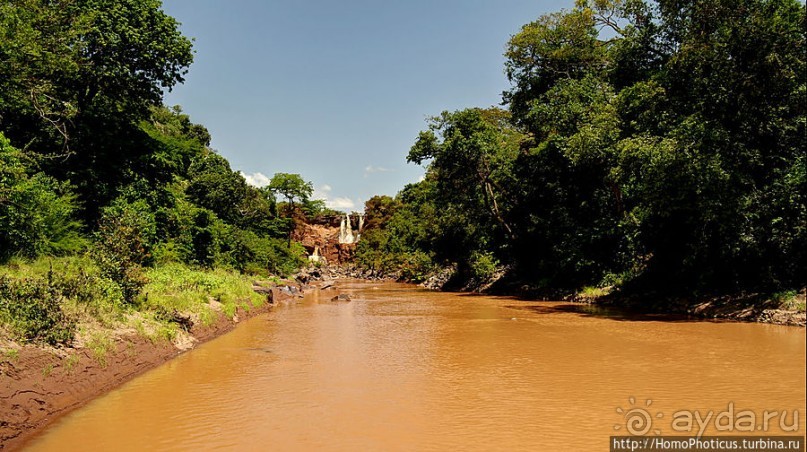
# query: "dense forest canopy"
x,y
91,157
648,145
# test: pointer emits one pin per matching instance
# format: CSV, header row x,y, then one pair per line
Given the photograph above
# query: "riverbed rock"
x,y
439,278
783,317
341,297
306,275
183,320
327,285
322,235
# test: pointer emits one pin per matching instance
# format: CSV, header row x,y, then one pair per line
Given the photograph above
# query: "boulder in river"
x,y
327,285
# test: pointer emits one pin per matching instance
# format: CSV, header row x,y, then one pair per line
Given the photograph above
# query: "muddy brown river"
x,y
399,368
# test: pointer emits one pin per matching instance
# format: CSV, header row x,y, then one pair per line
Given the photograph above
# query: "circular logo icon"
x,y
638,420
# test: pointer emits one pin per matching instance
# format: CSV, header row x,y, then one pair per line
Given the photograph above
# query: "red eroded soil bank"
x,y
38,385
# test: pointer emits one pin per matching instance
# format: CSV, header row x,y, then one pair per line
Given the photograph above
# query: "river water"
x,y
399,368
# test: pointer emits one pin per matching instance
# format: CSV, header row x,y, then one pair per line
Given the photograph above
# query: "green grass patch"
x,y
43,300
11,354
70,363
593,292
48,299
790,300
176,287
99,343
47,370
152,327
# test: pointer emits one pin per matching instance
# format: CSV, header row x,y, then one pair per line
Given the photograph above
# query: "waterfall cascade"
x,y
316,257
343,230
346,230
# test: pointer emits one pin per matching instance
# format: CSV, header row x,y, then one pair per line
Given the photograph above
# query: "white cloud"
x,y
370,169
323,192
256,179
340,203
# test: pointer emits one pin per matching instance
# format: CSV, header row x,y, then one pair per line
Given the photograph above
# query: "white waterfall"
x,y
361,226
315,257
346,231
349,230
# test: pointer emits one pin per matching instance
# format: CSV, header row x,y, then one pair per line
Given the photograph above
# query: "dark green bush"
x,y
124,241
247,252
414,266
36,211
30,310
483,265
203,239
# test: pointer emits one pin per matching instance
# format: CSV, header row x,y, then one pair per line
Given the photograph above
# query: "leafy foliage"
x,y
31,309
105,164
124,241
658,144
291,187
253,254
36,211
175,287
77,79
397,235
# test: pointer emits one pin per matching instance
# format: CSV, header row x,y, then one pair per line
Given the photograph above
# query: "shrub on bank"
x,y
126,235
30,309
176,287
46,300
250,253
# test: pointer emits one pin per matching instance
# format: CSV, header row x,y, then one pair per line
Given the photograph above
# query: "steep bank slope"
x,y
39,384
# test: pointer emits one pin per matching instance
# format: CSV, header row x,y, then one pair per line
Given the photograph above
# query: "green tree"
x,y
664,142
175,143
378,210
213,185
36,211
397,240
655,143
66,59
472,160
77,78
291,187
554,47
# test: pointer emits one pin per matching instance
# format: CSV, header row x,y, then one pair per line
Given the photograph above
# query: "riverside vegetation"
x,y
645,147
114,211
648,149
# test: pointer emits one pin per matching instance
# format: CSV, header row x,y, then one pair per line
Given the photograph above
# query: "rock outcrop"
x,y
329,240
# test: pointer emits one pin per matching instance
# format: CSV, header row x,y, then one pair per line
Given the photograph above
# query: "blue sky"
x,y
337,91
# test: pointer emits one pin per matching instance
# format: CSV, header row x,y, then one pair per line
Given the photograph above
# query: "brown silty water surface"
x,y
399,368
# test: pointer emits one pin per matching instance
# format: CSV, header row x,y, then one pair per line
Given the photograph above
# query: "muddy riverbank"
x,y
40,384
753,307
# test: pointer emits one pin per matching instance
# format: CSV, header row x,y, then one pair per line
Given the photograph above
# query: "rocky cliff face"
x,y
322,237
